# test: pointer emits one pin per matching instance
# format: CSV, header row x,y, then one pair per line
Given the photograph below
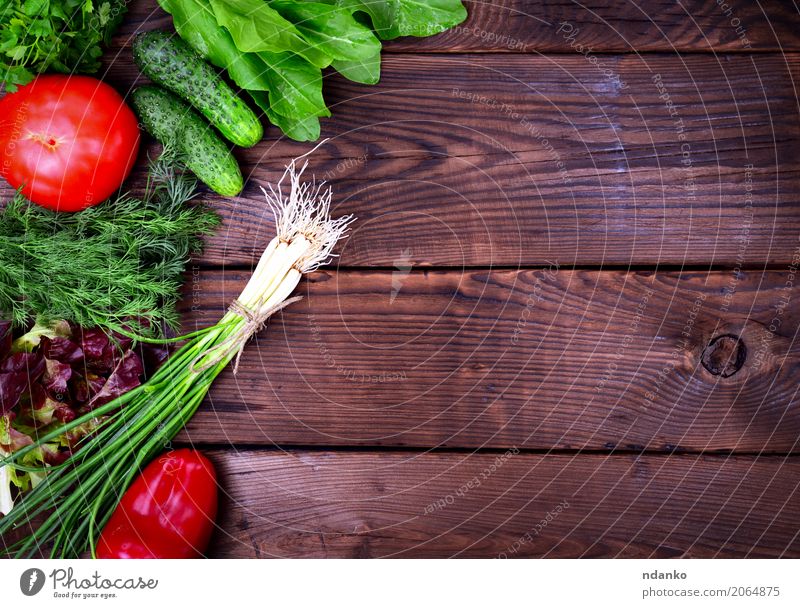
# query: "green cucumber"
x,y
170,62
174,123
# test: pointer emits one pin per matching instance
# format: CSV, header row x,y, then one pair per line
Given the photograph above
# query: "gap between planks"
x,y
358,449
424,269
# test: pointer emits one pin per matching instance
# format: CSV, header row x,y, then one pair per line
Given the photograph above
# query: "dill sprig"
x,y
118,265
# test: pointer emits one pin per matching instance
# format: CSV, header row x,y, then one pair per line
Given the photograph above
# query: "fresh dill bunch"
x,y
118,265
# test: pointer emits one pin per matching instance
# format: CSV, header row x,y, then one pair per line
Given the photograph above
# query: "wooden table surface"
x,y
565,323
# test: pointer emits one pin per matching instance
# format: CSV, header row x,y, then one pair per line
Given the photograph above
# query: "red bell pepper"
x,y
167,513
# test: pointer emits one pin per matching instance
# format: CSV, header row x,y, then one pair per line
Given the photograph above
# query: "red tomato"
x,y
167,513
68,141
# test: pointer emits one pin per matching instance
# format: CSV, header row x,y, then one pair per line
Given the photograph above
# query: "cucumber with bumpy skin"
x,y
170,62
174,123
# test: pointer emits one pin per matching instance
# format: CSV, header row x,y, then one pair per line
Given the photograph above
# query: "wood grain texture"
x,y
544,359
372,504
551,133
477,160
602,25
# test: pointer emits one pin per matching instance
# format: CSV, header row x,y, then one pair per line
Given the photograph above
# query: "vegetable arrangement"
x,y
62,36
91,281
89,393
276,50
144,419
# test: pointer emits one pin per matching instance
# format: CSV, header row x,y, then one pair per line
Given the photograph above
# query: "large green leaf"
x,y
382,12
34,8
394,18
295,86
427,17
367,71
331,28
306,129
256,27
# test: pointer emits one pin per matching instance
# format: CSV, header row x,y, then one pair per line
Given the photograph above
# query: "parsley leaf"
x,y
61,35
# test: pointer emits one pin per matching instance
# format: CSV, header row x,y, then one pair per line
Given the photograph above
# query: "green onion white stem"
x,y
81,494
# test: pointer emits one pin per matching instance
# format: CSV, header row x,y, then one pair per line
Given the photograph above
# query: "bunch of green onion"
x,y
76,499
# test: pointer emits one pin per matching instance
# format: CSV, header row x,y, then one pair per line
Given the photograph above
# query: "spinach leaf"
x,y
256,27
426,17
383,13
306,129
295,85
331,29
367,71
394,18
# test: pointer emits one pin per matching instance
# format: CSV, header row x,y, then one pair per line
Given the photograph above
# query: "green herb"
x,y
117,265
81,494
276,49
54,35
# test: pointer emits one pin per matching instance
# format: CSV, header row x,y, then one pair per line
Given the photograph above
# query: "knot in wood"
x,y
725,355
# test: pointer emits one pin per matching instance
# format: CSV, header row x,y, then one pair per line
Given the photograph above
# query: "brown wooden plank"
x,y
535,359
618,25
599,25
373,504
472,160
